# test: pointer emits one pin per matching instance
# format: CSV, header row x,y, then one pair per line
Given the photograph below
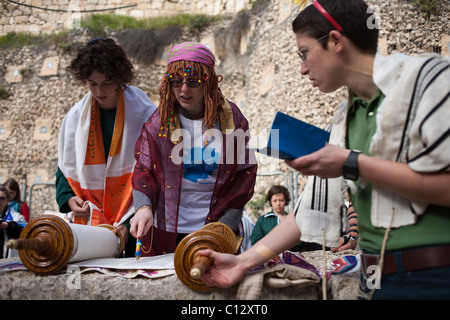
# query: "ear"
x,y
336,41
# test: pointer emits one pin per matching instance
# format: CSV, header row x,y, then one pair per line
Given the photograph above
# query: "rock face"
x,y
257,57
261,73
45,16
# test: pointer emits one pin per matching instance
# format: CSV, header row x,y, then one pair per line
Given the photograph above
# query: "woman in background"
x,y
14,202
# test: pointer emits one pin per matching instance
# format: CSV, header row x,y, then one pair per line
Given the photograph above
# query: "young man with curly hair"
x,y
97,138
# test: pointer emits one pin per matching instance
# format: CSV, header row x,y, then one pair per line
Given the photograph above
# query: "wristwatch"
x,y
350,169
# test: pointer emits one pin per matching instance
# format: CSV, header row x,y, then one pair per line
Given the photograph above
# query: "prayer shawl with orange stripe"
x,y
104,185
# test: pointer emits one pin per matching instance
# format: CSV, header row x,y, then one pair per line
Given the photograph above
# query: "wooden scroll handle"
x,y
201,265
189,265
40,244
45,244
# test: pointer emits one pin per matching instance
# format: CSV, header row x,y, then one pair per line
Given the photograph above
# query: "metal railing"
x,y
291,183
30,192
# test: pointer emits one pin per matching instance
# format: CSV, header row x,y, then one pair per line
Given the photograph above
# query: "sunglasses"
x,y
190,83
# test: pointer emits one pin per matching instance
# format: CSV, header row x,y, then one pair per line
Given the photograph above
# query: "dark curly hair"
x,y
104,56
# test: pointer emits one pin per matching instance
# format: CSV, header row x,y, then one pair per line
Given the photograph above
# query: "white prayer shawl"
x,y
416,99
320,207
73,144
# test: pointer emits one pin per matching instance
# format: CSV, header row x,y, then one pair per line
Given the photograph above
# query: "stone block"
x,y
48,28
34,29
38,3
21,19
137,14
4,175
285,8
39,175
267,79
5,129
8,28
21,28
50,66
42,128
14,74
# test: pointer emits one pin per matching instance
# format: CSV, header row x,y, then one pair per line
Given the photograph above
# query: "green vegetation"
x,y
255,207
428,6
14,40
4,94
98,23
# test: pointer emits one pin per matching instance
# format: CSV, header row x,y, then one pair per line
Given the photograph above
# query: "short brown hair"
x,y
352,15
276,190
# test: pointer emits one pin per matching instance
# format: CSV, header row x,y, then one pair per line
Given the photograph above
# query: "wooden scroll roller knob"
x,y
46,244
189,265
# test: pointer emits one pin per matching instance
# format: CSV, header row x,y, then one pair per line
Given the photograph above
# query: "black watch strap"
x,y
350,170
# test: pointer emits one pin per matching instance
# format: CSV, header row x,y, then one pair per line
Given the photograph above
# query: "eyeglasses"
x,y
301,52
190,83
2,199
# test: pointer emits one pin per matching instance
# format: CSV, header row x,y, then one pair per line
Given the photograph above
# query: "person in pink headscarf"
x,y
193,165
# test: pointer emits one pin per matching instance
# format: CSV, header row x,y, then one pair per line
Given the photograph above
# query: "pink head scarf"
x,y
192,51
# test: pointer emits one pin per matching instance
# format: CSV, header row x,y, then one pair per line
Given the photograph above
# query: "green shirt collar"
x,y
360,102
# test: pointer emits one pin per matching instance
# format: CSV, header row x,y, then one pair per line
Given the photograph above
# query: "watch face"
x,y
350,176
350,170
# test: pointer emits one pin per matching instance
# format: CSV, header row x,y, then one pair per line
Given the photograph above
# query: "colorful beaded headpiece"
x,y
195,62
192,51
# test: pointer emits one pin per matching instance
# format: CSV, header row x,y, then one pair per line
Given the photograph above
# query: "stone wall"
x,y
25,285
37,16
261,73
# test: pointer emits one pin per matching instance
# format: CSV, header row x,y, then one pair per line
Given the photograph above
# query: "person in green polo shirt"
x,y
389,146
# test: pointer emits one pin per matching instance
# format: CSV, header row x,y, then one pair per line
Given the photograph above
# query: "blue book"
x,y
291,138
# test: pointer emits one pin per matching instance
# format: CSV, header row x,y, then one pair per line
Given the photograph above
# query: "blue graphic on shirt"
x,y
199,164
